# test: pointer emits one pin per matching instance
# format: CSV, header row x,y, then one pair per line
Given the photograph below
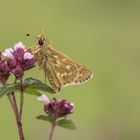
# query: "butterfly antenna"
x,y
43,32
30,35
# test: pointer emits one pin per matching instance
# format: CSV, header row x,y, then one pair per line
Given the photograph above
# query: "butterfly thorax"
x,y
42,50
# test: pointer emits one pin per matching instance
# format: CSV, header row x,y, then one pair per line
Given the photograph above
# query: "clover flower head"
x,y
56,108
19,59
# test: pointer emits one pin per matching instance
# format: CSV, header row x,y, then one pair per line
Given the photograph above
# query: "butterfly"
x,y
60,70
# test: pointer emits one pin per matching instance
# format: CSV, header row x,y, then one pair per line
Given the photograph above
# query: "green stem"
x,y
53,125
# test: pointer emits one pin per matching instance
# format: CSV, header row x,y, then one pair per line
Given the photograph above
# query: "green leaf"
x,y
44,118
7,89
69,124
38,85
31,86
32,91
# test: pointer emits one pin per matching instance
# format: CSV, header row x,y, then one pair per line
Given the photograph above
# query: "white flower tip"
x,y
44,99
72,104
3,53
8,53
28,55
19,45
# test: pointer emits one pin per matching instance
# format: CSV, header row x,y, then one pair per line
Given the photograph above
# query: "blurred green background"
x,y
101,34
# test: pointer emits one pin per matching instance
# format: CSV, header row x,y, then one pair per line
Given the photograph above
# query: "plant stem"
x,y
15,104
12,100
52,130
18,119
18,113
21,99
20,130
21,110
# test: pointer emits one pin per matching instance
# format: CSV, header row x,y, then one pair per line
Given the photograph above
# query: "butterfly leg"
x,y
45,77
35,50
43,66
37,76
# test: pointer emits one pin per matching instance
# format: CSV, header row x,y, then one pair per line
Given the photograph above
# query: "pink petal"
x,y
8,53
19,45
27,55
44,99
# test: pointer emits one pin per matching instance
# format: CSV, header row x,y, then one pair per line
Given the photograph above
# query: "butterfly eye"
x,y
40,42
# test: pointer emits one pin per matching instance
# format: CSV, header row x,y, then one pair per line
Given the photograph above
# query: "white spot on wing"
x,y
58,62
55,56
58,74
78,83
64,74
68,67
64,59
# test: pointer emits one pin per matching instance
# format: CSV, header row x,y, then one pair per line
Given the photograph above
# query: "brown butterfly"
x,y
60,70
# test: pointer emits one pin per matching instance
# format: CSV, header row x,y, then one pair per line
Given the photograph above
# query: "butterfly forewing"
x,y
83,75
66,70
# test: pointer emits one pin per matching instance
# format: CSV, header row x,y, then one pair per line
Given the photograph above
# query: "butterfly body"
x,y
60,70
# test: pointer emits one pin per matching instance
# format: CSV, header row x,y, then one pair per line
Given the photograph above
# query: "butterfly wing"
x,y
62,71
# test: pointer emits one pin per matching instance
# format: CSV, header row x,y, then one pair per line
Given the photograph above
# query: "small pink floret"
x,y
19,45
8,53
27,55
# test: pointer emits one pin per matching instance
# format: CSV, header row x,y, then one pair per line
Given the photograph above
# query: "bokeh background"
x,y
101,34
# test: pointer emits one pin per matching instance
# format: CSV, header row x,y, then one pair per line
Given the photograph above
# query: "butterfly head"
x,y
41,40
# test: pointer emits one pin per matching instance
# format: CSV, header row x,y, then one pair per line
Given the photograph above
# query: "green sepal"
x,y
45,118
69,124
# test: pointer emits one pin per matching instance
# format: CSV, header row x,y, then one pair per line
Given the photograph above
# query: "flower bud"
x,y
58,108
